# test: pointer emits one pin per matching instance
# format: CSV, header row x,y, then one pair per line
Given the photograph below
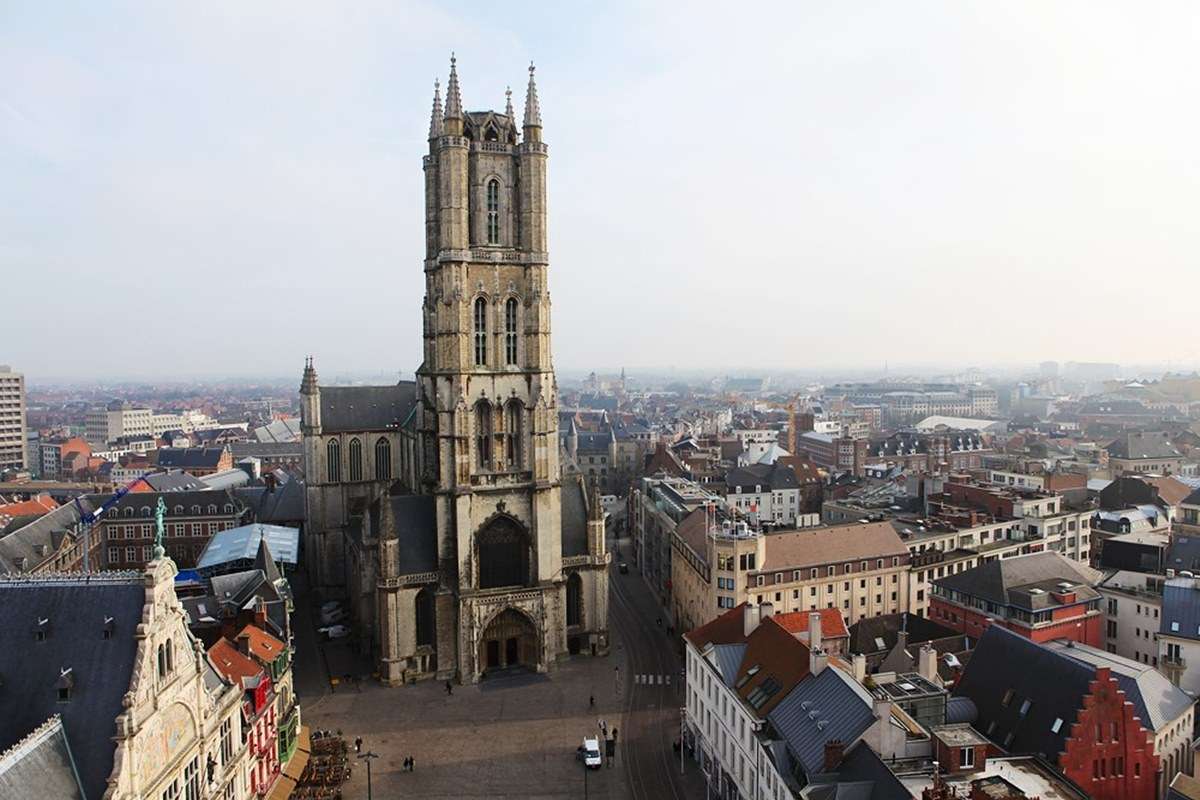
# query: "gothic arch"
x,y
574,599
510,638
425,618
503,552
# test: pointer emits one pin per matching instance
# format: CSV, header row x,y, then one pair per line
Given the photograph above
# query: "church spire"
x,y
508,109
308,385
453,97
533,111
435,119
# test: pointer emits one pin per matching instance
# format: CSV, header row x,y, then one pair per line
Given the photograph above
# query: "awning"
x,y
290,777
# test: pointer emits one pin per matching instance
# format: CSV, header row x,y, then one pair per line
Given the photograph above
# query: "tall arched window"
x,y
333,461
383,459
574,599
355,459
510,331
512,434
493,211
483,434
425,618
480,332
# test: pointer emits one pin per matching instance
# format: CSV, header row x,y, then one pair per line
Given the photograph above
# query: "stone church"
x,y
437,507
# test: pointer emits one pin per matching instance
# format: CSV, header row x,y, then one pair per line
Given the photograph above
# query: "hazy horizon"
x,y
221,190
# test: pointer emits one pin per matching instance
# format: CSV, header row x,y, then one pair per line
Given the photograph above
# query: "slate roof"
x,y
862,775
820,709
1181,609
40,767
1158,702
33,543
573,508
768,476
1007,581
1143,445
144,503
1184,553
416,531
75,610
284,505
366,408
729,658
188,457
880,634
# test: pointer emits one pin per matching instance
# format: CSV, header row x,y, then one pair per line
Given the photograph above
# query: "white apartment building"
x,y
1132,607
12,419
117,419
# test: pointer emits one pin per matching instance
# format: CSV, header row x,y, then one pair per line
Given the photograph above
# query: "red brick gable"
x,y
1107,766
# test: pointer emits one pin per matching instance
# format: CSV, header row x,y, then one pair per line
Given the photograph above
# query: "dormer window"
x,y
106,632
64,685
178,511
41,631
212,509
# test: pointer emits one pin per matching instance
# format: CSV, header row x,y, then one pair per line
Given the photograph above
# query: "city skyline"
x,y
871,176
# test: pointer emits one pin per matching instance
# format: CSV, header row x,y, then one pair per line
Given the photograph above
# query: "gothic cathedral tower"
x,y
488,419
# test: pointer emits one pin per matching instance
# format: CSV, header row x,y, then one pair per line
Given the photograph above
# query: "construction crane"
x,y
88,518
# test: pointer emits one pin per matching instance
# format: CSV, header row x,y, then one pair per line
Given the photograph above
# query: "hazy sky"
x,y
222,188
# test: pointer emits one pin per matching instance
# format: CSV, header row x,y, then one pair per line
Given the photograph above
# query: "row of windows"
x,y
333,460
484,435
830,571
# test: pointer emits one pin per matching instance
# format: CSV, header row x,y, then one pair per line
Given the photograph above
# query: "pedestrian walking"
x,y
449,688
358,744
412,764
591,701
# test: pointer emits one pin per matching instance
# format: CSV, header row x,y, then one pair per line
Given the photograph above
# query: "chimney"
x,y
260,613
859,664
750,618
814,631
269,480
834,749
243,643
765,611
927,660
817,661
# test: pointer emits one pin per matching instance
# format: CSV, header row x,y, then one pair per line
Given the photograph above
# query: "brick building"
x,y
1041,596
1113,726
127,529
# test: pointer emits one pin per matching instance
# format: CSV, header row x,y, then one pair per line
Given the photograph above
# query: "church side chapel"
x,y
437,507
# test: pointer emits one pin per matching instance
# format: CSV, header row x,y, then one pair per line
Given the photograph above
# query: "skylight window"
x,y
1057,726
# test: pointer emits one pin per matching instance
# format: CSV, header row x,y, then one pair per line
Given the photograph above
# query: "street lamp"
x,y
368,757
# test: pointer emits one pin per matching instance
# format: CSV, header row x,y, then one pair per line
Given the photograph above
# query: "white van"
x,y
591,753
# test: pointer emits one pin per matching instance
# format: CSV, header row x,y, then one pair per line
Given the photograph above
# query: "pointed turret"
x,y
310,399
508,109
263,559
308,384
436,125
454,110
533,111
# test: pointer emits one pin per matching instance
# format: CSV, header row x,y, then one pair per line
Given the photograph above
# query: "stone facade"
x,y
468,558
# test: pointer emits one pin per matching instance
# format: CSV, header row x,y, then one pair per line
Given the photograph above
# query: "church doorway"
x,y
509,640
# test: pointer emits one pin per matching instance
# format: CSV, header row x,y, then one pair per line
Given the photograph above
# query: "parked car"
x,y
591,753
330,606
334,631
337,615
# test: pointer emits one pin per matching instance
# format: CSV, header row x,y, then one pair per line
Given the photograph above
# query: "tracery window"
x,y
493,211
480,332
511,309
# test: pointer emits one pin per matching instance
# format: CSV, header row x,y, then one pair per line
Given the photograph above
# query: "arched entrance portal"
x,y
509,640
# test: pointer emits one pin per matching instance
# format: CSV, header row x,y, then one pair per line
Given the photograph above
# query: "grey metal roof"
x,y
173,481
75,610
1181,608
226,479
40,767
416,531
238,544
366,408
1143,445
768,476
729,658
819,709
1158,702
574,517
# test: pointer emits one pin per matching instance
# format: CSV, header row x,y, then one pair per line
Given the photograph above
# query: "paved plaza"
x,y
508,737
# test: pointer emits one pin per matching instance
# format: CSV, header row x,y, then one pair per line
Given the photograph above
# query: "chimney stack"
x,y
859,664
927,660
750,618
834,750
814,631
243,643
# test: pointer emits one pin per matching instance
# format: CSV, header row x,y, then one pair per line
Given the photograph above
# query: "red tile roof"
x,y
42,504
725,629
229,662
832,624
262,645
